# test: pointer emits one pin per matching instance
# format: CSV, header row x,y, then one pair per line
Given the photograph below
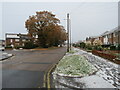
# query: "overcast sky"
x,y
87,18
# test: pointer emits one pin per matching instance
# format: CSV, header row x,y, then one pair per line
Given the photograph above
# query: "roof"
x,y
93,36
111,31
107,32
13,35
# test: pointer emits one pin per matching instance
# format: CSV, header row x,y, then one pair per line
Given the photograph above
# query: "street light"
x,y
68,33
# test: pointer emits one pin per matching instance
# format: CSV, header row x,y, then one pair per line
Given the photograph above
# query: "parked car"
x,y
2,48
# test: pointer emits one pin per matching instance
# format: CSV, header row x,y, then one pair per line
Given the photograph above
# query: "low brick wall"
x,y
106,56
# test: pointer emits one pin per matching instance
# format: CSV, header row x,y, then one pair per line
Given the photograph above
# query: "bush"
x,y
18,47
82,45
8,47
98,48
30,45
106,49
112,47
118,48
89,47
74,45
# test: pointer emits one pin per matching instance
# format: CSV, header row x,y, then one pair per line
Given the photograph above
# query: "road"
x,y
27,68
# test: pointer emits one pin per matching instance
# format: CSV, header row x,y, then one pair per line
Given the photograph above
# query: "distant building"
x,y
91,39
104,38
2,42
111,37
13,39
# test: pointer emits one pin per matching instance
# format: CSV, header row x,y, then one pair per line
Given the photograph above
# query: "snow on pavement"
x,y
107,70
108,75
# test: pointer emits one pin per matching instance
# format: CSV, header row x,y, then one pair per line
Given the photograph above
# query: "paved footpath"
x,y
26,68
109,71
4,55
107,76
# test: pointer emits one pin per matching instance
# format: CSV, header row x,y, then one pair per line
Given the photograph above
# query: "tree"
x,y
97,42
82,45
46,26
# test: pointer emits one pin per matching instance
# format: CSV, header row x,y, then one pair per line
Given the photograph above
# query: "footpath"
x,y
4,55
107,74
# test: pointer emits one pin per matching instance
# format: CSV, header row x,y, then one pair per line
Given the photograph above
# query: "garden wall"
x,y
106,56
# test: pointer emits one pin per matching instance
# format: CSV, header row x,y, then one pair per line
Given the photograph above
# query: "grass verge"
x,y
74,65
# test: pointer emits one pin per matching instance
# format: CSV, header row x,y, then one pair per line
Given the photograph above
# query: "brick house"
x,y
91,39
13,39
111,37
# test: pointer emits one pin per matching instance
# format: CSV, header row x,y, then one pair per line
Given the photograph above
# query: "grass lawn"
x,y
75,65
49,48
118,55
72,51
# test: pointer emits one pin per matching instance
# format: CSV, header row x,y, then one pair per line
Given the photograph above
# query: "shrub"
x,y
89,47
30,45
82,45
98,48
74,45
8,47
18,47
112,47
118,48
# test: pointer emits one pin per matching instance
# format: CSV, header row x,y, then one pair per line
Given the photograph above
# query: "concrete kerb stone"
x,y
50,72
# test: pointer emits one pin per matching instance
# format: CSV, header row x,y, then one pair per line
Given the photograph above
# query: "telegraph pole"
x,y
70,36
68,32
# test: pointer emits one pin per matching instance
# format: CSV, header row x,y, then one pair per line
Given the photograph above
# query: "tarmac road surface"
x,y
27,68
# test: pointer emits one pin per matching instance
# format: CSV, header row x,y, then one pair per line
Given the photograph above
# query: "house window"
x,y
17,40
23,44
17,44
109,36
36,36
115,34
23,40
11,40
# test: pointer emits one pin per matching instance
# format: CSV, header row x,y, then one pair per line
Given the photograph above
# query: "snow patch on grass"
x,y
75,66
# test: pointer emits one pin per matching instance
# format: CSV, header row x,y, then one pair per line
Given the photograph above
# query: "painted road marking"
x,y
48,76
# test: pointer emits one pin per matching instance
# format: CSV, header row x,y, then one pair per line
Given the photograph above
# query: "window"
x,y
115,34
109,36
17,44
36,36
17,40
23,40
11,40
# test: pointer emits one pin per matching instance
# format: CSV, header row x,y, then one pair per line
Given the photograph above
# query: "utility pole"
x,y
68,32
70,36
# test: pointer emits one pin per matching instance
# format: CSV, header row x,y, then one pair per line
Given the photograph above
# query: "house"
x,y
104,38
2,42
91,39
111,37
13,39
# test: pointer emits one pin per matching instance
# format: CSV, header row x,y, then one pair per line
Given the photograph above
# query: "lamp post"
x,y
70,35
68,32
